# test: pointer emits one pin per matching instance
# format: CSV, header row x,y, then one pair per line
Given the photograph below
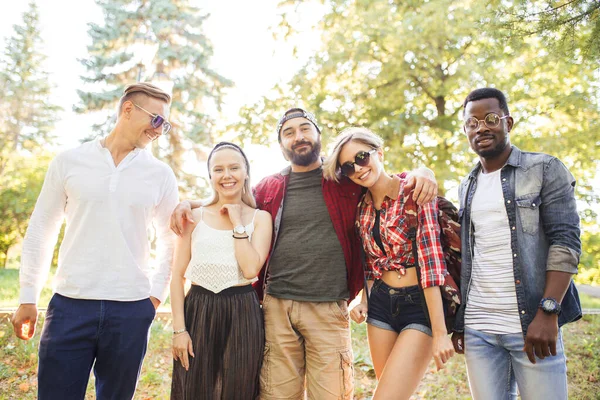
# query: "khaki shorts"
x,y
306,342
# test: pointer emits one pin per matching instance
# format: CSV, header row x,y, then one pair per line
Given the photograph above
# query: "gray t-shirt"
x,y
308,260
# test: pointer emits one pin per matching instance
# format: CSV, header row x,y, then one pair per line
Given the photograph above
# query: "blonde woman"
x,y
402,337
218,333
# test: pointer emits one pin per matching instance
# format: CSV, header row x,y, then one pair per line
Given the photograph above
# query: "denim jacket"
x,y
544,226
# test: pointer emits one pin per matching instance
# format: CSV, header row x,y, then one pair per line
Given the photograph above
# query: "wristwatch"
x,y
239,230
549,305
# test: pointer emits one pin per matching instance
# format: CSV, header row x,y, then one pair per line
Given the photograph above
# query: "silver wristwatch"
x,y
239,230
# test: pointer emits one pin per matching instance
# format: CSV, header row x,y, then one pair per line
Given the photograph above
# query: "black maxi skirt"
x,y
228,338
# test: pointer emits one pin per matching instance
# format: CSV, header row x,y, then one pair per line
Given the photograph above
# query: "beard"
x,y
306,158
494,151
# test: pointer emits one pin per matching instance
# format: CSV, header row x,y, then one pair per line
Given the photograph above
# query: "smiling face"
x,y
364,176
300,141
488,143
228,172
138,128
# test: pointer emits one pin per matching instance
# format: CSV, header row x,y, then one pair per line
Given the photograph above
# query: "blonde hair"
x,y
355,134
137,90
247,196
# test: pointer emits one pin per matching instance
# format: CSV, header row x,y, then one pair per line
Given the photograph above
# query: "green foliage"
x,y
403,69
27,116
20,185
568,26
26,113
589,263
589,275
154,41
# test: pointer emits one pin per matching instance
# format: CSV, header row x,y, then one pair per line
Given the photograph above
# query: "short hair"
x,y
487,93
138,89
365,136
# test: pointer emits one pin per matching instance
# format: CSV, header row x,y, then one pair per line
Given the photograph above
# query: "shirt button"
x,y
514,255
514,227
518,282
533,204
523,312
503,179
508,201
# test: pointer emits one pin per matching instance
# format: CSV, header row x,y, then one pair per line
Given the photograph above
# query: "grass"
x,y
588,301
18,359
18,365
9,288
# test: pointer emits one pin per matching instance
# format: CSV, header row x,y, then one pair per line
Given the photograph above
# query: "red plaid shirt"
x,y
341,200
395,239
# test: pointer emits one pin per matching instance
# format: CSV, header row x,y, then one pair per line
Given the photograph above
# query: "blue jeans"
x,y
497,364
110,335
397,309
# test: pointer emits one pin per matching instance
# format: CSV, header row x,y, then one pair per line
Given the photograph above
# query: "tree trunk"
x,y
5,258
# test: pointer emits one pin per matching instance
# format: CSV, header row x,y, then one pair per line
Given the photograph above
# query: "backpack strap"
x,y
363,256
412,220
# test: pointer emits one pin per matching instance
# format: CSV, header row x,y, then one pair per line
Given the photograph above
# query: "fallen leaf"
x,y
24,387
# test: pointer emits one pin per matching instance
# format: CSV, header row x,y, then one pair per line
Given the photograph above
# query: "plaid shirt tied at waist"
x,y
394,236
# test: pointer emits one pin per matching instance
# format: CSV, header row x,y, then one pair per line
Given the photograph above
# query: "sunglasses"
x,y
492,120
157,120
361,159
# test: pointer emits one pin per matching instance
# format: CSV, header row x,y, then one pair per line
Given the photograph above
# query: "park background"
x,y
399,67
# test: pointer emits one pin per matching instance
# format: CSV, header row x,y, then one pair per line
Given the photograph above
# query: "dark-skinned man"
x,y
520,249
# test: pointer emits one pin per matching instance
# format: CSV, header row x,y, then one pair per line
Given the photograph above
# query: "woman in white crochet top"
x,y
218,333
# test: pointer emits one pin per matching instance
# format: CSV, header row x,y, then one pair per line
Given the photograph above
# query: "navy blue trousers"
x,y
111,336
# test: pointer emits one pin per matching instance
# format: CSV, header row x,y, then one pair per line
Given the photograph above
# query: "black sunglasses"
x,y
157,120
361,159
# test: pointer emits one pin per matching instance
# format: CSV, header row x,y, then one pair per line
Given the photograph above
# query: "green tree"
x,y
570,26
20,185
27,114
403,68
156,40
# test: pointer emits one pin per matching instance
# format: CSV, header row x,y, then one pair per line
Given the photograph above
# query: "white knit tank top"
x,y
213,264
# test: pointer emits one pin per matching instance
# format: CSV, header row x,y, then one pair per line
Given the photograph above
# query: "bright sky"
x,y
244,52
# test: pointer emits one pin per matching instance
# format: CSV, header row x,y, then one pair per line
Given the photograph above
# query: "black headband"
x,y
219,145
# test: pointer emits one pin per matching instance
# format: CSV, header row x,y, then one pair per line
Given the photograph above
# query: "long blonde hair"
x,y
355,134
247,196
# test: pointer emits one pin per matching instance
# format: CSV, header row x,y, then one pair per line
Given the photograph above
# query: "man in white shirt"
x,y
110,190
520,249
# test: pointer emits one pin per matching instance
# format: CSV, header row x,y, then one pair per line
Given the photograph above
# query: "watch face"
x,y
548,305
239,229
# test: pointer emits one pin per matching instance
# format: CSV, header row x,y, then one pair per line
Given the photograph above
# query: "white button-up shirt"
x,y
110,210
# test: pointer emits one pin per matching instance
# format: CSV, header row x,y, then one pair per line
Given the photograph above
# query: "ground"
x,y
18,364
18,359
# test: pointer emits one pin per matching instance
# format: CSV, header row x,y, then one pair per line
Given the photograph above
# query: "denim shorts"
x,y
397,309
